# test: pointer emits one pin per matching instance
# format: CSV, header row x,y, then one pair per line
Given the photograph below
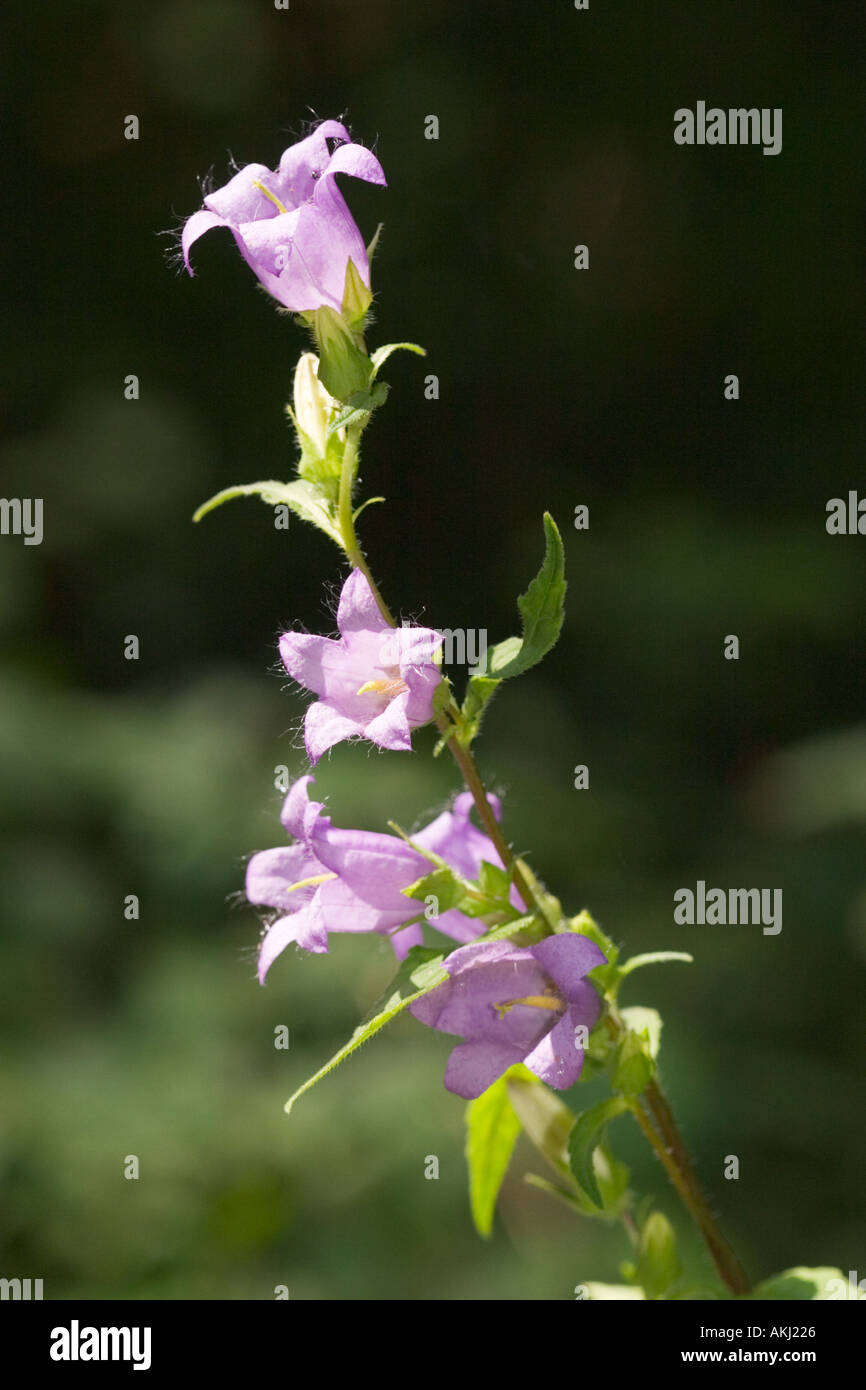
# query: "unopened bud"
x,y
314,406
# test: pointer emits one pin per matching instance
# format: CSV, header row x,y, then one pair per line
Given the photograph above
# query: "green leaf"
x,y
494,880
612,1178
545,1118
584,1138
821,1285
647,1023
653,958
344,369
658,1265
371,249
479,693
442,884
359,406
492,1128
526,931
634,1066
542,611
301,496
357,296
369,503
571,1199
381,355
420,973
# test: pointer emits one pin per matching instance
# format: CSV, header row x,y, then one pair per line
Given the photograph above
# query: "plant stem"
x,y
654,1116
346,519
679,1169
652,1110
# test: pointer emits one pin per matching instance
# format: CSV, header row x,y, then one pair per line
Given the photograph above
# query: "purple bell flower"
x,y
292,224
515,1004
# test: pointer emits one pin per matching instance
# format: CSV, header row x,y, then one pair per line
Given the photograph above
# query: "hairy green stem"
x,y
653,1114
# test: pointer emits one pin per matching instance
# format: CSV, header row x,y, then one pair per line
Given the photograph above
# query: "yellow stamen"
x,y
534,1001
309,882
268,194
390,687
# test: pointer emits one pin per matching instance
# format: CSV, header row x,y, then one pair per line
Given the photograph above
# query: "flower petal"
x,y
374,866
403,941
457,925
556,1059
267,242
316,662
239,200
303,163
566,958
196,226
344,911
358,609
271,873
453,836
390,729
422,683
474,1066
301,817
324,726
481,978
304,927
327,236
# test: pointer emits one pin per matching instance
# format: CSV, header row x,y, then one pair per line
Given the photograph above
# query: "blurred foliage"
x,y
557,388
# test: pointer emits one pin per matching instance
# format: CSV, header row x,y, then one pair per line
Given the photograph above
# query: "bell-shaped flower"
x,y
374,681
514,1004
334,880
292,224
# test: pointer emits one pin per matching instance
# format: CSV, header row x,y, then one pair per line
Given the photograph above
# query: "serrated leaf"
x,y
525,931
420,973
381,355
492,1128
301,496
658,1265
479,693
541,610
584,1138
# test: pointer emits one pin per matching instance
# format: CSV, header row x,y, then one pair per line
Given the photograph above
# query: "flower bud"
x,y
313,404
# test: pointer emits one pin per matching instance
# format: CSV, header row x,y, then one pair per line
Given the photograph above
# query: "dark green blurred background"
x,y
558,387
